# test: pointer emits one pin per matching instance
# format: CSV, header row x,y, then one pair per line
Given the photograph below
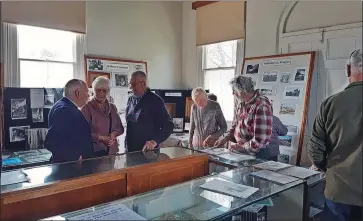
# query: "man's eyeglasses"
x,y
135,84
99,90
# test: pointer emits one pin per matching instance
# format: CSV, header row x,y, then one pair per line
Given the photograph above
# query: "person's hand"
x,y
233,146
149,145
313,167
150,154
209,141
104,139
113,135
221,142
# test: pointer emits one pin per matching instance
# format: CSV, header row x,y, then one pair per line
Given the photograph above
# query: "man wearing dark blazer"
x,y
69,135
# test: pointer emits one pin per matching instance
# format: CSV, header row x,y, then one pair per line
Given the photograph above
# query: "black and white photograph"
x,y
285,140
56,92
252,68
139,67
35,138
267,92
291,129
18,109
17,133
269,76
178,124
121,80
300,75
95,65
48,101
37,114
285,78
287,109
283,158
292,92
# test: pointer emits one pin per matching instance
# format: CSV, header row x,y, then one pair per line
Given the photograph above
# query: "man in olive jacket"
x,y
336,146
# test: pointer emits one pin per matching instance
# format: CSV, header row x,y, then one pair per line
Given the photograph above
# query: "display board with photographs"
x,y
285,80
25,111
118,70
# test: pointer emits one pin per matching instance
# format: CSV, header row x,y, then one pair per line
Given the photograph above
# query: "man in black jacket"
x,y
148,122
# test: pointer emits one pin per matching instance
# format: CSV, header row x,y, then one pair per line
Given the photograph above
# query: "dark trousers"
x,y
341,212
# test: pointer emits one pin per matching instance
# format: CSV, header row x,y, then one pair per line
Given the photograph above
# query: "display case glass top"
x,y
189,201
55,172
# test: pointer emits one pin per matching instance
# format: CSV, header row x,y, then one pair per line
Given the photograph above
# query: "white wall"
x,y
263,18
189,57
148,31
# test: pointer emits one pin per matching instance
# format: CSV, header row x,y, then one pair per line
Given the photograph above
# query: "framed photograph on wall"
x,y
93,75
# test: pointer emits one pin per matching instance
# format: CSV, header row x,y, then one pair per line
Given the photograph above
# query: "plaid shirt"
x,y
252,125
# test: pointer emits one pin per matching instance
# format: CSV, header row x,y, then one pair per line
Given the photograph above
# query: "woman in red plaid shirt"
x,y
252,126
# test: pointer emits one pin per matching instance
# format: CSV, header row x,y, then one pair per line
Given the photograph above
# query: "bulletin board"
x,y
26,116
285,80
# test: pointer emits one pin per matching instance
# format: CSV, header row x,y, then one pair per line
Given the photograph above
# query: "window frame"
x,y
46,61
204,69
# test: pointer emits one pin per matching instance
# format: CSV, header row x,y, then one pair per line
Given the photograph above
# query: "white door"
x,y
333,48
338,45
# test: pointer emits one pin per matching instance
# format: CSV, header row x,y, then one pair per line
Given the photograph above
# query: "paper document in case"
x,y
274,177
13,177
229,188
112,212
235,157
272,165
299,172
214,151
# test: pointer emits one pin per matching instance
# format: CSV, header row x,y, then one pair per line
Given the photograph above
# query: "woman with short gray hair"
x,y
207,122
103,118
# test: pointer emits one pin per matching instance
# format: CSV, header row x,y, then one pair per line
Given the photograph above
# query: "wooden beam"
x,y
198,4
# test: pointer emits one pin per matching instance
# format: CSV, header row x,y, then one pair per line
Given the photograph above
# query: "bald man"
x,y
148,122
336,146
69,135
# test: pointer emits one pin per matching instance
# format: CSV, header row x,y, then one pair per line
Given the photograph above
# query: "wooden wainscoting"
x,y
163,174
62,197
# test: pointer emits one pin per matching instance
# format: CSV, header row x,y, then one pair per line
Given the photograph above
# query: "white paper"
x,y
120,97
26,152
214,151
44,151
37,98
235,157
12,177
272,165
114,212
274,177
229,188
299,172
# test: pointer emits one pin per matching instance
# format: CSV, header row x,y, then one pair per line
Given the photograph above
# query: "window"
x,y
46,57
219,68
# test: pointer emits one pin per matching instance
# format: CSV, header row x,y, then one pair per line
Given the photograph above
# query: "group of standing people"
x,y
254,130
80,127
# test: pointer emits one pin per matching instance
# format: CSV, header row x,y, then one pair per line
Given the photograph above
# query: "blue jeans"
x,y
341,212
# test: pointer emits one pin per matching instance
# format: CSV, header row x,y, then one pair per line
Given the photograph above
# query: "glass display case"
x,y
190,201
55,172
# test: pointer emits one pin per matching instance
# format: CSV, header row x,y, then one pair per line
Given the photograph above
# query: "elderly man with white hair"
x,y
207,122
252,126
69,135
103,119
336,146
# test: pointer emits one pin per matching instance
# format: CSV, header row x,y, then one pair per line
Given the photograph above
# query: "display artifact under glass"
x,y
193,200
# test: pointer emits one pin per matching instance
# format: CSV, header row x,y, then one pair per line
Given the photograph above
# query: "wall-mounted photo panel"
x,y
285,79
